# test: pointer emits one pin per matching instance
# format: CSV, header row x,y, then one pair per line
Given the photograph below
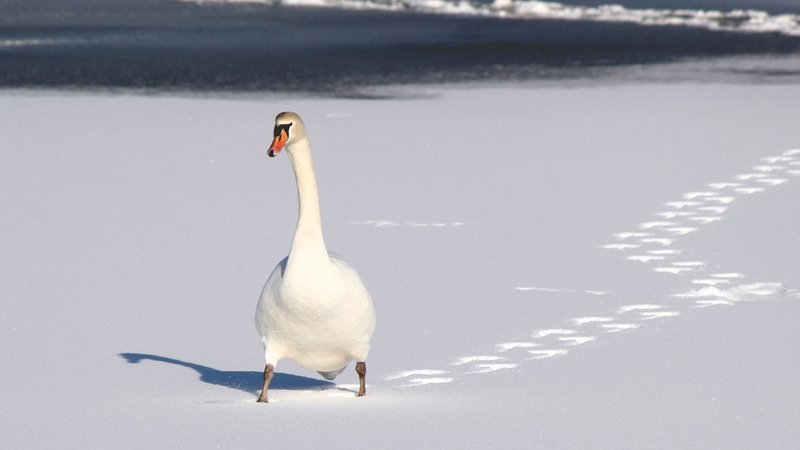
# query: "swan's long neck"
x,y
308,254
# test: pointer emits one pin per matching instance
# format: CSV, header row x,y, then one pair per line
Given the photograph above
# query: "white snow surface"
x,y
137,233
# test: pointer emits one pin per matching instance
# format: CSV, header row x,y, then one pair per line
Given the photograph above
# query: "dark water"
x,y
158,44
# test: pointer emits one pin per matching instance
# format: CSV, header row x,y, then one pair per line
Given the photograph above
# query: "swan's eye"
x,y
278,128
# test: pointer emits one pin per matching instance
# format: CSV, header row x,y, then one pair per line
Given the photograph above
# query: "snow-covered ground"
x,y
593,267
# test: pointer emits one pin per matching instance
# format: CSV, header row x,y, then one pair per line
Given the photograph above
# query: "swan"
x,y
313,309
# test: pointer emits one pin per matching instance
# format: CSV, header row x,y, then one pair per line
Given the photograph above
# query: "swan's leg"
x,y
361,370
269,372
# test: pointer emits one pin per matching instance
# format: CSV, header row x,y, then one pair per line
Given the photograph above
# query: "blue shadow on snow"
x,y
250,382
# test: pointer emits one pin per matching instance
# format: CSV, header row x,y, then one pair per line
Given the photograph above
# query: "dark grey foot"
x,y
269,371
361,370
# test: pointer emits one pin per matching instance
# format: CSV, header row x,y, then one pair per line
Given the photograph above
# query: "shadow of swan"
x,y
250,382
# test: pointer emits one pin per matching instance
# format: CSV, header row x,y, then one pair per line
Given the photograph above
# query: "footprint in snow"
x,y
409,373
674,214
672,270
470,359
689,263
773,181
544,354
658,314
683,204
728,275
656,224
670,251
577,340
506,346
645,258
680,231
631,234
664,242
751,176
640,307
486,368
552,331
617,327
620,246
723,185
707,303
748,191
591,319
694,195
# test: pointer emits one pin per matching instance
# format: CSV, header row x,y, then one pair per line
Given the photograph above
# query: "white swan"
x,y
314,309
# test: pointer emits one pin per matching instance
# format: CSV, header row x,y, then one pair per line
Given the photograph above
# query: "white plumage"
x,y
313,309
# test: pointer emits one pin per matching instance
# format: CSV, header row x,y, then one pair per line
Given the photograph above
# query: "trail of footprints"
x,y
652,243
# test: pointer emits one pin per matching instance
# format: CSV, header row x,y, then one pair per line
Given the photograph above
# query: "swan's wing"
x,y
268,296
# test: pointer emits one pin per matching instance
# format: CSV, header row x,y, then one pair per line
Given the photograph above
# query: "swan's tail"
x,y
331,375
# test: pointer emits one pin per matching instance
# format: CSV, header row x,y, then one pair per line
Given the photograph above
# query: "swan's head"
x,y
289,128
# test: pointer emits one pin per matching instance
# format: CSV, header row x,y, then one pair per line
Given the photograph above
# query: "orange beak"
x,y
277,144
